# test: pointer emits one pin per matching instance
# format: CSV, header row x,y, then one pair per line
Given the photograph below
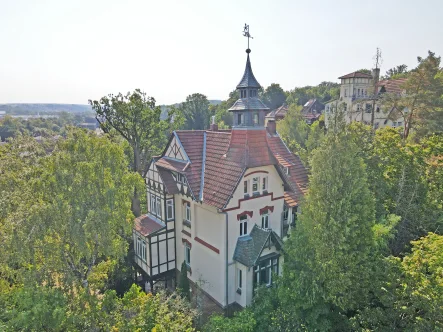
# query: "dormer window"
x,y
255,185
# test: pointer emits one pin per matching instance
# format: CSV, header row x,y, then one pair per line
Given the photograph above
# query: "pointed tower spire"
x,y
249,110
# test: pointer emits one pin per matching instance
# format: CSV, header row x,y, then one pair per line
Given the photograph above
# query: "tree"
x,y
77,222
183,282
328,260
421,103
409,294
195,111
223,117
396,72
325,91
274,96
300,137
137,119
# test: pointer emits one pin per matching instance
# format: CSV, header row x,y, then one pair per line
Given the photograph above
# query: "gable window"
x,y
243,225
187,254
153,205
239,280
265,220
255,184
169,209
264,184
181,178
159,206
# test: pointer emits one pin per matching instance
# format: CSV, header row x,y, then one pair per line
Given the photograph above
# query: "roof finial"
x,y
247,34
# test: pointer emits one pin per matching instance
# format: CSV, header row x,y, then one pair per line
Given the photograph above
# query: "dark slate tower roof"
x,y
248,80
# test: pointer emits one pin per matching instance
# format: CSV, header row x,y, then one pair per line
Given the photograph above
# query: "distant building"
x,y
2,114
311,111
359,93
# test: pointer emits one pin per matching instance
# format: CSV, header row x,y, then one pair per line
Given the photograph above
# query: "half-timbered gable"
x,y
221,201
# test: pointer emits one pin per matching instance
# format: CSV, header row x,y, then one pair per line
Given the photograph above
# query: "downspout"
x,y
226,262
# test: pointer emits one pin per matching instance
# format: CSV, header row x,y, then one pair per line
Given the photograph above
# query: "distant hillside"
x,y
44,108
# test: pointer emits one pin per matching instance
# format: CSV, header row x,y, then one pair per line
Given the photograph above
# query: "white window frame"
x,y
143,255
159,206
264,184
243,225
245,187
188,215
265,220
169,204
187,254
256,181
153,205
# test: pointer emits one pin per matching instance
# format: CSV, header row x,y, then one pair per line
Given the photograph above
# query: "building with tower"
x,y
359,99
222,201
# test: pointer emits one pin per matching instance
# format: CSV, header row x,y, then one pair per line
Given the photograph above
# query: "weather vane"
x,y
246,33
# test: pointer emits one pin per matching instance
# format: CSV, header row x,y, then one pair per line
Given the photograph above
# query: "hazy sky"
x,y
69,51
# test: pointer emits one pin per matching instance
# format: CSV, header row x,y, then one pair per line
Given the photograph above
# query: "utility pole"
x,y
375,75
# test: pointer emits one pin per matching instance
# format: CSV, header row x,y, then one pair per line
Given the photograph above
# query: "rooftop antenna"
x,y
247,34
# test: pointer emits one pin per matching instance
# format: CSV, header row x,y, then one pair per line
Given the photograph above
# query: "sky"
x,y
70,51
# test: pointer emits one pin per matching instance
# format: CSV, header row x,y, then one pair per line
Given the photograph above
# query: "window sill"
x,y
256,193
187,223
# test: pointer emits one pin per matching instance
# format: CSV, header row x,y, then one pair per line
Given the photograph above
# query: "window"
x,y
239,280
187,254
188,212
141,248
239,119
255,184
376,125
159,207
378,109
245,187
264,185
287,170
368,108
263,271
169,209
285,212
243,225
255,118
153,205
346,92
265,220
181,178
358,93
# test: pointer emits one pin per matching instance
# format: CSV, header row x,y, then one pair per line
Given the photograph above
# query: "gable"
x,y
175,150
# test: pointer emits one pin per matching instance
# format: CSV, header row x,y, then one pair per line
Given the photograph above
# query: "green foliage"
x,y
273,96
409,291
422,104
301,138
183,282
48,309
329,258
399,71
196,112
325,92
242,321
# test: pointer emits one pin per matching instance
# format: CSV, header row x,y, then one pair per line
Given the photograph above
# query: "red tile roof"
x,y
392,86
146,225
356,74
228,155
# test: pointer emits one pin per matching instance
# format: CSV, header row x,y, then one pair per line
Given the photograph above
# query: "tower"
x,y
249,111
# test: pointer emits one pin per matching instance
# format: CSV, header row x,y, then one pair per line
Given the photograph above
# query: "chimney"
x,y
272,127
376,74
213,126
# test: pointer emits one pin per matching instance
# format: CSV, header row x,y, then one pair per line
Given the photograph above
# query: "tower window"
x,y
239,118
255,119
